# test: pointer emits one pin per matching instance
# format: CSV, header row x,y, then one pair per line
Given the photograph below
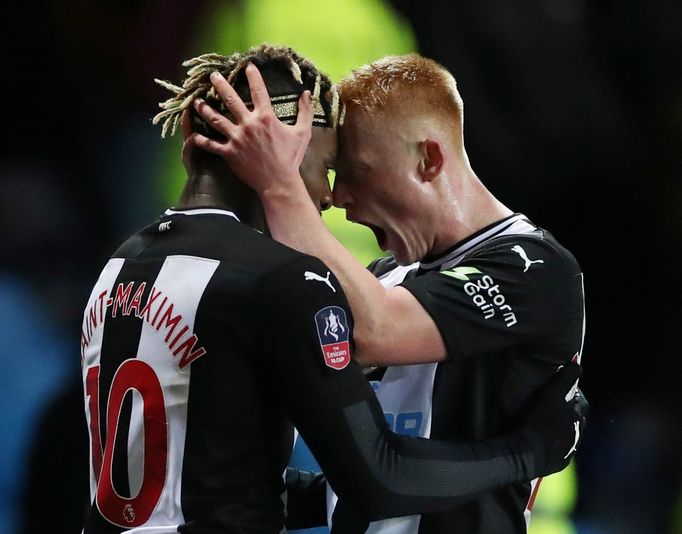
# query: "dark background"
x,y
573,113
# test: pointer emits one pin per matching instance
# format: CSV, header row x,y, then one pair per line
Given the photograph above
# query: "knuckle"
x,y
229,100
249,128
235,140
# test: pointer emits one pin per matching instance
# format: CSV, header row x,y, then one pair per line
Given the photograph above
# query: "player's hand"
x,y
264,152
558,423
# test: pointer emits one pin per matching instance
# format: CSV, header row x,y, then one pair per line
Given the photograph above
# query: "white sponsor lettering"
x,y
486,295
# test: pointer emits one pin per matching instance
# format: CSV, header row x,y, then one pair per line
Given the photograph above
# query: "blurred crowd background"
x,y
573,111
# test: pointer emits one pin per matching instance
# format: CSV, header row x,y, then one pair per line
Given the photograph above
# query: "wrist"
x,y
284,192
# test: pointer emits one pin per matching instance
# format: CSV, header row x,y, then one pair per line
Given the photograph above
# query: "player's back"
x,y
184,429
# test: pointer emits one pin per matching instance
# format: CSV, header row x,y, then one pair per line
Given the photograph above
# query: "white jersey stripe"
x,y
397,275
182,280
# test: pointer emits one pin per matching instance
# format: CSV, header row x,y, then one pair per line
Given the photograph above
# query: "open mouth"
x,y
379,234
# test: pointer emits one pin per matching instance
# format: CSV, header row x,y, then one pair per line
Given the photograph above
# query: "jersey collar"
x,y
514,224
202,211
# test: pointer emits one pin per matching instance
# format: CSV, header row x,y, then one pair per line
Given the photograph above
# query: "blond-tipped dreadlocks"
x,y
286,76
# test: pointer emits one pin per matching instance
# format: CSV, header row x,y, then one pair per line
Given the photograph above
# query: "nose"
x,y
326,195
326,201
342,198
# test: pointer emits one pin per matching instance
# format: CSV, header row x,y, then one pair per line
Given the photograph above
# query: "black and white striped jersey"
x,y
201,340
509,304
181,423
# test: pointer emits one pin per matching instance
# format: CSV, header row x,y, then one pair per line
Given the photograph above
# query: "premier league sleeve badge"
x,y
333,333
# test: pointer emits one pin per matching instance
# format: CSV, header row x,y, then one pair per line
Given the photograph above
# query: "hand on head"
x,y
260,149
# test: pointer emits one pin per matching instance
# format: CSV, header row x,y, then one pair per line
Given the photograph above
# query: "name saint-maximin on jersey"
x,y
157,311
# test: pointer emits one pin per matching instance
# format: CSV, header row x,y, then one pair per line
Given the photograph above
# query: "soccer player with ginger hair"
x,y
487,303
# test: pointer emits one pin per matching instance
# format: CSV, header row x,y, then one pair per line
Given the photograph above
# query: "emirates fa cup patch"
x,y
333,332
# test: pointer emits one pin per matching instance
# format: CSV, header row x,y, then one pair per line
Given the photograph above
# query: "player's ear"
x,y
432,159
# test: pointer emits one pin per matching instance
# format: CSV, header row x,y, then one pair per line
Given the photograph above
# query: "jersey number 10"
x,y
132,374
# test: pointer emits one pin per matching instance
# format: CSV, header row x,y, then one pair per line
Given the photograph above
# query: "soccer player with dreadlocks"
x,y
203,338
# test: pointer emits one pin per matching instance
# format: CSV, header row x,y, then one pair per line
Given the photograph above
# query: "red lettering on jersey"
x,y
93,318
135,511
175,340
189,354
101,305
148,306
121,298
171,322
158,311
137,300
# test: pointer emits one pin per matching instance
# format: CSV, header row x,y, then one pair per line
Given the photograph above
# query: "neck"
x,y
205,189
470,208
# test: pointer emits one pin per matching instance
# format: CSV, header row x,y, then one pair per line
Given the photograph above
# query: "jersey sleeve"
x,y
306,502
305,331
517,292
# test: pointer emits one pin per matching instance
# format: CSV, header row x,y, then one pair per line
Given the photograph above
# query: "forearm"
x,y
394,475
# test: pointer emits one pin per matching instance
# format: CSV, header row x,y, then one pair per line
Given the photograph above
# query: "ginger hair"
x,y
409,85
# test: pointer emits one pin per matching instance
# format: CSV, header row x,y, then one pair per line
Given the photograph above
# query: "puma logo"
x,y
519,250
309,275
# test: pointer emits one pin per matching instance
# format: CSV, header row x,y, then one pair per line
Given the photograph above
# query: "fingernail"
x,y
308,96
215,75
197,102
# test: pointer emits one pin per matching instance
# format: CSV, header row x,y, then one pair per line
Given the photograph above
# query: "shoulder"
x,y
537,254
525,269
136,243
297,278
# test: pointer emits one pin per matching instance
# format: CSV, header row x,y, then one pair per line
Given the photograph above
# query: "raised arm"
x,y
305,346
393,327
